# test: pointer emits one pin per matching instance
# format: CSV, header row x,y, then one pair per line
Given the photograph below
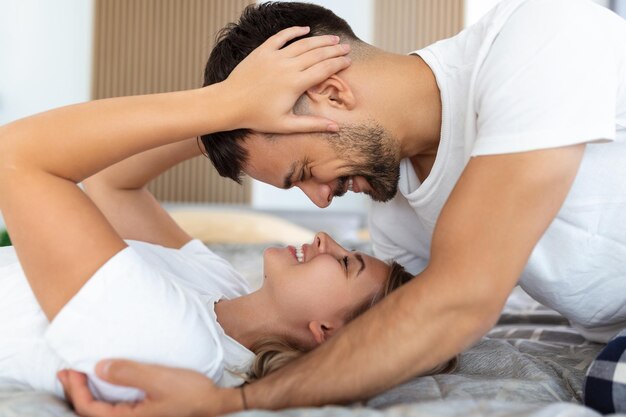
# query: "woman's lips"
x,y
292,250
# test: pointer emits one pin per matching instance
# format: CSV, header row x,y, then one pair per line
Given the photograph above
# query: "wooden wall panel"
x,y
153,46
402,26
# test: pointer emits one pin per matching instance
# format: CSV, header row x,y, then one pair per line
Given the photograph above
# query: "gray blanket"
x,y
532,364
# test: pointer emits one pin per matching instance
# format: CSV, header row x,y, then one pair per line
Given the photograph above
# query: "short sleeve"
x,y
227,280
127,309
387,250
549,80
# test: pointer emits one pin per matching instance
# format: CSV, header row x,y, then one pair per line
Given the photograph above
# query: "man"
x,y
496,157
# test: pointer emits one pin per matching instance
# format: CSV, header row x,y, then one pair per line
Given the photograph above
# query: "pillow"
x,y
233,226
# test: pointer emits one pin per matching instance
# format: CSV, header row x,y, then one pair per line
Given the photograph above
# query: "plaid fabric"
x,y
605,384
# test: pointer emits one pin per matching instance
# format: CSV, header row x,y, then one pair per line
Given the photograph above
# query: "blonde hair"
x,y
274,352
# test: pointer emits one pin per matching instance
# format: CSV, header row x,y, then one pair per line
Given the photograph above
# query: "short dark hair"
x,y
235,41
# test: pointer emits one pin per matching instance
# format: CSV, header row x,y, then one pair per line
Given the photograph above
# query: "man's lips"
x,y
352,185
343,185
292,250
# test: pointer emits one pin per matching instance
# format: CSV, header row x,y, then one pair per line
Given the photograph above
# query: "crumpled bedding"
x,y
531,364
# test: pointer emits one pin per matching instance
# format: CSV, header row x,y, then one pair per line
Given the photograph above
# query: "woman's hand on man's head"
x,y
269,81
170,392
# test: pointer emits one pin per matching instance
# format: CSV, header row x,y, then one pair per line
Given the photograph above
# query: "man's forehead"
x,y
278,174
265,145
264,148
271,164
282,137
277,158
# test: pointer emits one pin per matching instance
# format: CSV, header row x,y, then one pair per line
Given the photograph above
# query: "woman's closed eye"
x,y
345,261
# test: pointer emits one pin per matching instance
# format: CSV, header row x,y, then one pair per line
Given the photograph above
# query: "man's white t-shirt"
x,y
533,74
147,303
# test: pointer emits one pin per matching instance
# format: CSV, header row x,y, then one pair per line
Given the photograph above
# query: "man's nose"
x,y
320,194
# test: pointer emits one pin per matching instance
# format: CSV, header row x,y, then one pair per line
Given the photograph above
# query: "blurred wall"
x,y
45,55
158,46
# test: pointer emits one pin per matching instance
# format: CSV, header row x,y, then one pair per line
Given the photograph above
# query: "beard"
x,y
372,154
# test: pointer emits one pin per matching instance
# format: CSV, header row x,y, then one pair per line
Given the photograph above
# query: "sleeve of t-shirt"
x,y
231,282
387,250
129,310
549,80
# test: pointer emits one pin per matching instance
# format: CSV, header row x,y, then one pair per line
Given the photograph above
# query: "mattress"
x,y
531,364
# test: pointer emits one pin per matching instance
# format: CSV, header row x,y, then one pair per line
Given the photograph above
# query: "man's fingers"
x,y
322,70
278,40
316,56
62,376
132,374
81,397
307,44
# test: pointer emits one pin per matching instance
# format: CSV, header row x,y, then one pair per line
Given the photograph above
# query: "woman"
x,y
80,292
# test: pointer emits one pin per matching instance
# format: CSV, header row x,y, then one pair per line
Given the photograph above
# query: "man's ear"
x,y
322,330
334,92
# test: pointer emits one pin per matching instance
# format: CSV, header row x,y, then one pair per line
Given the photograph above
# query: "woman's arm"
x,y
120,192
59,234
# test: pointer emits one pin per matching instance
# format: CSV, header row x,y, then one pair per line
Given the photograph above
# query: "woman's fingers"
x,y
315,56
307,44
269,72
322,70
297,124
279,40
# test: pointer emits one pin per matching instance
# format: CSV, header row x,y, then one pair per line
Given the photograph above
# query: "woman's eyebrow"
x,y
360,259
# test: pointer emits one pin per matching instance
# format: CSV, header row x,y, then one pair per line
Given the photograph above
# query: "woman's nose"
x,y
325,244
320,242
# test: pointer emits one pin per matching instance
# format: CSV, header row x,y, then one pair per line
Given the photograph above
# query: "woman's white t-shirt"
x,y
530,75
147,303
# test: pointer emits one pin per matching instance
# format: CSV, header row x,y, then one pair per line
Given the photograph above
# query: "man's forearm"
x,y
483,239
410,332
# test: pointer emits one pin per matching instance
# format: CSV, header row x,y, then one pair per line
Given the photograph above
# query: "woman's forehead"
x,y
377,269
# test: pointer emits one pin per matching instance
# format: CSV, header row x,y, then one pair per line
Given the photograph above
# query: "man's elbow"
x,y
483,316
472,320
471,304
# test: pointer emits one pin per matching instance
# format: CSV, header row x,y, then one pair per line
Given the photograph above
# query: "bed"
x,y
532,364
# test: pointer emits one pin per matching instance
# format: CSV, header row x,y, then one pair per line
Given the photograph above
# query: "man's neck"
x,y
409,102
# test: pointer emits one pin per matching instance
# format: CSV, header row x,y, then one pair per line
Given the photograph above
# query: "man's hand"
x,y
170,392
